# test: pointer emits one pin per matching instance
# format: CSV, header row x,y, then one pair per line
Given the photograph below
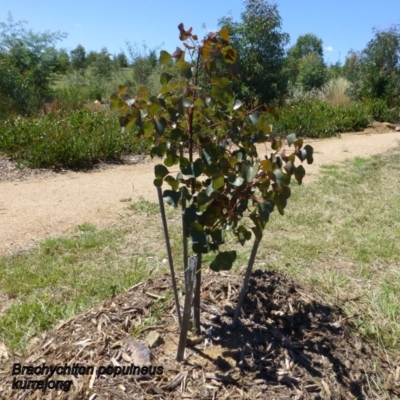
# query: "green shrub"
x,y
76,140
319,119
379,111
75,97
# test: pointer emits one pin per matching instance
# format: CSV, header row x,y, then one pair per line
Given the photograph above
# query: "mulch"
x,y
289,345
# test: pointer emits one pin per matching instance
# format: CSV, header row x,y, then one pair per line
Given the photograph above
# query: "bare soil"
x,y
35,204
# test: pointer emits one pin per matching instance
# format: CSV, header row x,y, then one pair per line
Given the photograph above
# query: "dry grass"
x,y
334,92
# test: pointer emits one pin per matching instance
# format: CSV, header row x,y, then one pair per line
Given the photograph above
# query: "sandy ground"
x,y
35,209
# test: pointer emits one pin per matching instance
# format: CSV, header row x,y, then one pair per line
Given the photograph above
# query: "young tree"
x,y
227,181
260,44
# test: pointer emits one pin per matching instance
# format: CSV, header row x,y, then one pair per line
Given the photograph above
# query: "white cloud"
x,y
329,48
78,25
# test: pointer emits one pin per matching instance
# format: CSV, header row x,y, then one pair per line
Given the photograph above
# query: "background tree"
x,y
312,72
103,65
305,67
260,44
63,63
375,71
32,59
78,59
335,71
91,58
143,62
121,60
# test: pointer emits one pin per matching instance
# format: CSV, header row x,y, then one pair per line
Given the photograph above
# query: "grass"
x,y
340,236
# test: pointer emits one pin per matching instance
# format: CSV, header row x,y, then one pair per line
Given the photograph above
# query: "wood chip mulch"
x,y
290,345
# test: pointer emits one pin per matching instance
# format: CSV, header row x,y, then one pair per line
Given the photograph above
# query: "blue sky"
x,y
341,24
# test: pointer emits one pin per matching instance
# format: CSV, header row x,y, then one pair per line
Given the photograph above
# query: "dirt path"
x,y
35,209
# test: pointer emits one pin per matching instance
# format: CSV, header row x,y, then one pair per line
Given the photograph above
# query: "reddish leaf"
x,y
178,53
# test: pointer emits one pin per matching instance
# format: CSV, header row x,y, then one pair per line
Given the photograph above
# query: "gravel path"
x,y
38,204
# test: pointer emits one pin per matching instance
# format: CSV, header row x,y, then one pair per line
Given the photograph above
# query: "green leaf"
x,y
218,236
266,165
265,209
299,174
157,182
237,105
114,100
160,125
289,168
224,33
203,200
281,201
189,216
258,233
186,102
193,170
249,172
223,261
170,160
218,181
229,54
210,216
159,150
254,117
278,177
291,139
160,171
260,137
171,197
242,234
239,154
235,180
299,142
310,152
276,144
165,57
285,180
165,78
183,163
198,239
172,182
219,94
257,220
198,167
185,69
